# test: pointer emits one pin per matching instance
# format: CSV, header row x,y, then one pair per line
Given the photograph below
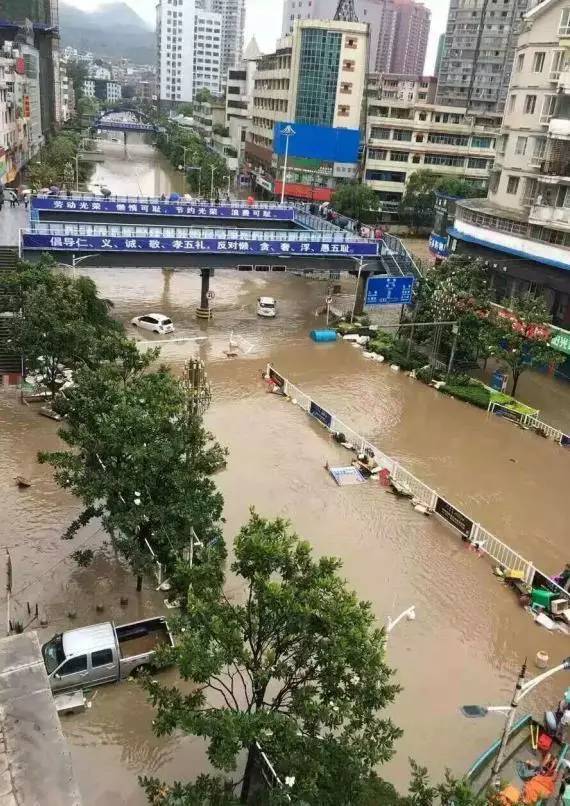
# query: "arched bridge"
x,y
125,120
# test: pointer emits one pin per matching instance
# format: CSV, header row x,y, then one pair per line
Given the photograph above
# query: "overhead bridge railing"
x,y
64,202
79,230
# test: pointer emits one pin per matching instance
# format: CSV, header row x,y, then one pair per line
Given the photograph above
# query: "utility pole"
x,y
8,590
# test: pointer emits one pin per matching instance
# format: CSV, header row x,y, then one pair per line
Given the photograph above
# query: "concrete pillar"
x,y
204,312
361,293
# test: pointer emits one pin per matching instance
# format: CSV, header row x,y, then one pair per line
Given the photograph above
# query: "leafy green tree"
x,y
203,96
197,156
418,202
87,107
521,341
59,320
140,459
78,73
186,109
297,664
355,200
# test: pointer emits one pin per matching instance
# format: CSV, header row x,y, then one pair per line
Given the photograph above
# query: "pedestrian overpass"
x,y
117,120
120,232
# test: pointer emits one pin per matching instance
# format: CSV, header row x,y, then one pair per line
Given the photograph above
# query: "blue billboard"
x,y
317,142
389,290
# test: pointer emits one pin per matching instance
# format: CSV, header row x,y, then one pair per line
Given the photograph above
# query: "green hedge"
x,y
472,393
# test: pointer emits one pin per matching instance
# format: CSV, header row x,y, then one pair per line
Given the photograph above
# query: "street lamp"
x,y
184,149
410,614
229,178
361,266
522,688
75,261
287,132
213,170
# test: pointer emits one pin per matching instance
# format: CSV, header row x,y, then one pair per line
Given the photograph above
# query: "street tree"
x,y
418,202
58,321
297,664
140,459
519,337
355,200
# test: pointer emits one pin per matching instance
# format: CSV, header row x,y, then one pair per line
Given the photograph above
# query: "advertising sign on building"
x,y
386,290
323,143
439,245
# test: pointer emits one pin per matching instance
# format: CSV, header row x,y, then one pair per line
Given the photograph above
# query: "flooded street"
x,y
470,635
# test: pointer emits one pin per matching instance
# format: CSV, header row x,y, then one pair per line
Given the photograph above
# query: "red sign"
x,y
20,66
538,332
300,191
27,110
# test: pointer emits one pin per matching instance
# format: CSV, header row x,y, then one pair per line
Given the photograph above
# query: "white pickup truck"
x,y
103,653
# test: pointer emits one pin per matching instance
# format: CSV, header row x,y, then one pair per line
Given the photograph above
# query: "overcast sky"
x,y
264,19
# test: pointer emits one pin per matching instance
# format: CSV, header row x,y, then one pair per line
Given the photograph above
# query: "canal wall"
x,y
472,532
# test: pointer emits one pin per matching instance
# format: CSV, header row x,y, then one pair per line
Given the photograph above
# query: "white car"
x,y
155,322
266,306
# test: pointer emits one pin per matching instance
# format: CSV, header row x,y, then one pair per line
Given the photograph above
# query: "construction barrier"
x,y
471,531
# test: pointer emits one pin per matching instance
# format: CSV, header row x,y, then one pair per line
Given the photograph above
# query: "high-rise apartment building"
x,y
399,30
233,23
189,49
523,228
477,58
38,24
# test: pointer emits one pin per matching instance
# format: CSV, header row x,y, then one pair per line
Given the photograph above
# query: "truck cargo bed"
x,y
142,637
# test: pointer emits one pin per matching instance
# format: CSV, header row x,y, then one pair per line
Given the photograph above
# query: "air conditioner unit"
x,y
7,47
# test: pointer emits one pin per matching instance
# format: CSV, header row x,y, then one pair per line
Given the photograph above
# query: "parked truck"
x,y
103,653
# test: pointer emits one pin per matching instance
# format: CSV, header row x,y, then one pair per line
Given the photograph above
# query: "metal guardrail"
x,y
528,421
476,535
76,229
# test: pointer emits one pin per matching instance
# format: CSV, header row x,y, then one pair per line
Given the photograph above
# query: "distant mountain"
x,y
112,30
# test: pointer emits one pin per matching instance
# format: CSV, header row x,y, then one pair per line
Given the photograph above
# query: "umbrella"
x,y
174,197
105,192
54,188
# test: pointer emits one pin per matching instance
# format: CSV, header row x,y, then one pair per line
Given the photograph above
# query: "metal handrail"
x,y
227,233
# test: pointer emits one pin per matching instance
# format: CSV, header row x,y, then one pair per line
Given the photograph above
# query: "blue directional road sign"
x,y
389,290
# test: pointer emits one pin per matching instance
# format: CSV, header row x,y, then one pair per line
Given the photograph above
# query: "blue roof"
x,y
461,236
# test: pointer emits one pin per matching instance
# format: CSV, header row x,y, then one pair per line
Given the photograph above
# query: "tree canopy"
x,y
198,156
297,665
60,320
520,336
417,206
140,459
354,200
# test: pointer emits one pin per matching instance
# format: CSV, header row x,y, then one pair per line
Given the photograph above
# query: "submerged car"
x,y
266,306
155,322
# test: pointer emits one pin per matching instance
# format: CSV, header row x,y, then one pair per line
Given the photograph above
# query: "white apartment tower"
x,y
189,49
233,23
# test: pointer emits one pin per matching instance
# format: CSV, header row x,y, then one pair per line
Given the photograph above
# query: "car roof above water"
x,y
88,639
267,300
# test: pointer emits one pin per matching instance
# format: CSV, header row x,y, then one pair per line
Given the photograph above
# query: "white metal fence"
x,y
471,531
534,423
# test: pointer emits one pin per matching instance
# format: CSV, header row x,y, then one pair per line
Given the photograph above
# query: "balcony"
x,y
555,171
543,215
559,128
564,81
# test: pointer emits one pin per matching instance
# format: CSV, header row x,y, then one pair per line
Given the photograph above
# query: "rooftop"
x,y
35,764
490,208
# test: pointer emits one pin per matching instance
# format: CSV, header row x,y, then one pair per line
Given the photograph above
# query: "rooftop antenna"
x,y
346,11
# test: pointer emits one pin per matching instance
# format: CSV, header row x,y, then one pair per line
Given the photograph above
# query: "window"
x,y
351,43
564,28
520,147
74,665
520,62
399,156
538,61
529,104
103,657
477,164
348,66
513,185
482,142
402,135
512,102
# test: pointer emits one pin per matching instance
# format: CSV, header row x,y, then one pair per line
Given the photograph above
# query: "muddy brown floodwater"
x,y
469,637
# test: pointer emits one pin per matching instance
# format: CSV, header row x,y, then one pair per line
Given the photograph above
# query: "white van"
x,y
266,306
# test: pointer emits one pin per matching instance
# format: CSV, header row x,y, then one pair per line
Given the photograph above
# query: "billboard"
x,y
317,142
